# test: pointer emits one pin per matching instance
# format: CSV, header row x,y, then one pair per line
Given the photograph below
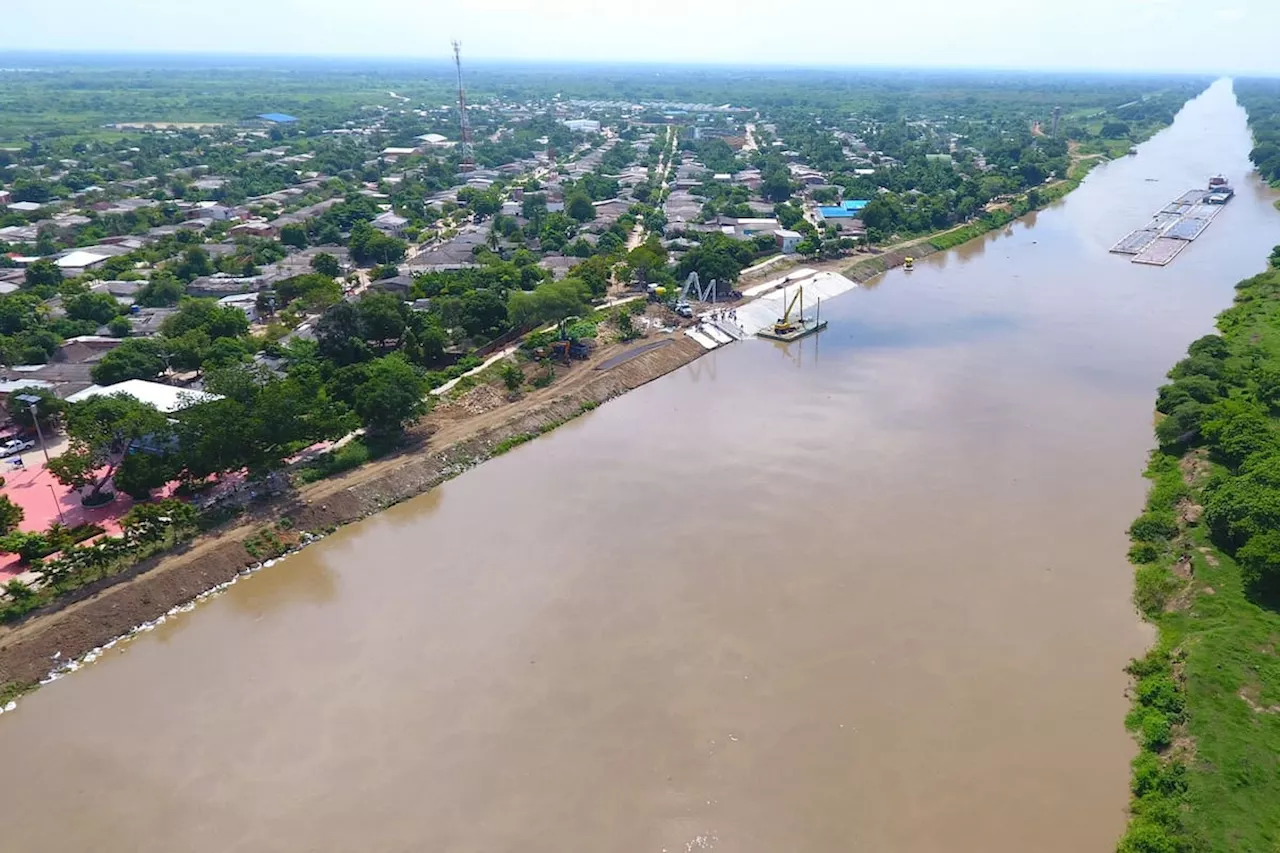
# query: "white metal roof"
x,y
166,398
80,258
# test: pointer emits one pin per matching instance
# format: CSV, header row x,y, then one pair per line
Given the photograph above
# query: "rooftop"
x,y
166,398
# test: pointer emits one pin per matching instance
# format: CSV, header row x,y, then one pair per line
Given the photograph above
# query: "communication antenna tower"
x,y
466,145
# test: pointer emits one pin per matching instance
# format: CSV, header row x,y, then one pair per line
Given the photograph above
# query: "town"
x,y
475,426
205,314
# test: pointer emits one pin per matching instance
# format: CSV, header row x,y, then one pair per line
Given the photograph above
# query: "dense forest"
x,y
1261,97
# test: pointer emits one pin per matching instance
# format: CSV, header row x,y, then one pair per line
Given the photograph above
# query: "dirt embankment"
x,y
96,614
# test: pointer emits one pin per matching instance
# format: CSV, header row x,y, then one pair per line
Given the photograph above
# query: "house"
x,y
25,206
146,322
435,140
788,240
255,228
583,125
75,263
221,284
275,118
69,370
390,223
848,209
5,198
399,285
394,153
209,210
246,302
166,398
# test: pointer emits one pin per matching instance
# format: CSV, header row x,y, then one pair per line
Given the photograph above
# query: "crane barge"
x,y
789,328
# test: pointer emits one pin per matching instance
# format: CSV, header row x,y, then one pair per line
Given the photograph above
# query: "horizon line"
x,y
736,65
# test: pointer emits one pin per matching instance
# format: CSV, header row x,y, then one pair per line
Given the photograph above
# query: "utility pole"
x,y
32,401
465,146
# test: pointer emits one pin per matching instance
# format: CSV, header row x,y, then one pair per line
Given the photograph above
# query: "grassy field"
x,y
1207,698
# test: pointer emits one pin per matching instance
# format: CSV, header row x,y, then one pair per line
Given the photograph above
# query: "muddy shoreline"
x,y
76,625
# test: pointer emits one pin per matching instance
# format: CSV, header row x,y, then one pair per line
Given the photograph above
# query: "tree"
x,y
579,206
483,313
102,431
162,290
216,321
49,409
313,290
43,274
548,302
645,259
381,320
98,307
222,353
776,185
339,337
10,515
193,264
390,397
326,264
368,246
1259,560
294,234
135,358
140,473
119,327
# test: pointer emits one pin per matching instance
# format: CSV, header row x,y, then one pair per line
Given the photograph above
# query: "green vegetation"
x,y
1261,97
1207,697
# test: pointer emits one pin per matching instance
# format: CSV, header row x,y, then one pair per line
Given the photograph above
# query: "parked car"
x,y
15,446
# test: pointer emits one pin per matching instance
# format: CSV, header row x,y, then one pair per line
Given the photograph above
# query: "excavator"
x,y
567,346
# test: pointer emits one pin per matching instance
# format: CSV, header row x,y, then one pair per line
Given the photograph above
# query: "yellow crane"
x,y
785,326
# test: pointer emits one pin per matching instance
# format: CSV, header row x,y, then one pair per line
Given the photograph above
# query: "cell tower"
x,y
466,146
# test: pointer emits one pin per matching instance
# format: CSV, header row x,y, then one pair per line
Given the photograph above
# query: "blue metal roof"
x,y
846,210
278,118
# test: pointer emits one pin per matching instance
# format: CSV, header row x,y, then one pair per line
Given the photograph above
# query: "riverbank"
x,y
86,619
1206,698
83,621
446,446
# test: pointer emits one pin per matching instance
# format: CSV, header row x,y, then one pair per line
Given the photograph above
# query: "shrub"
x,y
1157,731
512,376
1153,584
1144,837
28,546
1143,552
1154,527
353,454
1259,559
10,514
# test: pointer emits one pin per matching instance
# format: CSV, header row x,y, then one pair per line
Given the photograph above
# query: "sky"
x,y
1231,36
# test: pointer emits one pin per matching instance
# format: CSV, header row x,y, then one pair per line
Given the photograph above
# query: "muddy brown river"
x,y
864,594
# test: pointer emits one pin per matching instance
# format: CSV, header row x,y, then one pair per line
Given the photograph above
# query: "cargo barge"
x,y
1176,225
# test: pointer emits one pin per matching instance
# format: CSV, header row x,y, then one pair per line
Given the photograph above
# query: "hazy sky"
x,y
1157,35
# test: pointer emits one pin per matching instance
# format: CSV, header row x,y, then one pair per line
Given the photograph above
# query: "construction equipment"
x,y
787,329
909,264
567,347
785,325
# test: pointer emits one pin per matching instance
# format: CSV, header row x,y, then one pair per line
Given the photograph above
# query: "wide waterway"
x,y
868,593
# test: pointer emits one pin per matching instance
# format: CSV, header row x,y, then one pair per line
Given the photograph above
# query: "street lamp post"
x,y
57,503
32,401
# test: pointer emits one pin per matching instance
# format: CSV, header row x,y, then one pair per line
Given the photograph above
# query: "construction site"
x,y
1173,228
783,309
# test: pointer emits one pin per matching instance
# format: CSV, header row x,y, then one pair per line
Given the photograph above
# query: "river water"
x,y
867,593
